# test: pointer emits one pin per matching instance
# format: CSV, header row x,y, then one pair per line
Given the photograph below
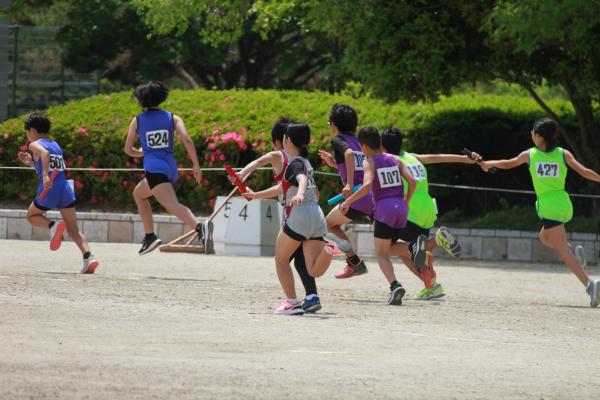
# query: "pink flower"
x,y
23,147
211,202
83,132
106,98
78,185
212,146
6,136
222,157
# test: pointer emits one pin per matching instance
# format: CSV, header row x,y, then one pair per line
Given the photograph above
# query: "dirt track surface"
x,y
192,326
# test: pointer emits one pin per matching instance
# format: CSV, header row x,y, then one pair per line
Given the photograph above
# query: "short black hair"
x,y
391,138
151,94
279,128
548,129
299,134
344,118
39,122
369,137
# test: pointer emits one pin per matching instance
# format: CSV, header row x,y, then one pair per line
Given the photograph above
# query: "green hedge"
x,y
92,132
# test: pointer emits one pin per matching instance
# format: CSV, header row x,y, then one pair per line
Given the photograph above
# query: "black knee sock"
x,y
51,224
309,282
86,255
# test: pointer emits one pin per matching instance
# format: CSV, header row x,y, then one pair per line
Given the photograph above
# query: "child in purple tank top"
x,y
383,174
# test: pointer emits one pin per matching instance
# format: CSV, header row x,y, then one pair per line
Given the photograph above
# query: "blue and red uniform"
x,y
62,193
156,132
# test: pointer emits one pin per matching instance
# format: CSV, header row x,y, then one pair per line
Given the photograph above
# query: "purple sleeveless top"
x,y
387,181
364,204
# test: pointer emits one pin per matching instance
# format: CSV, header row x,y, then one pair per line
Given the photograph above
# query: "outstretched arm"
x,y
522,158
447,158
271,158
264,194
580,168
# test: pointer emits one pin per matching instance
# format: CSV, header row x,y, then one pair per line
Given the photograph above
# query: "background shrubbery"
x,y
234,126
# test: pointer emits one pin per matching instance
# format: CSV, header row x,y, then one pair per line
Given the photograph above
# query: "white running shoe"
x,y
89,265
593,290
580,255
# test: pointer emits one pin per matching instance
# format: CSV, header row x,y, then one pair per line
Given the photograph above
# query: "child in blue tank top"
x,y
46,156
155,129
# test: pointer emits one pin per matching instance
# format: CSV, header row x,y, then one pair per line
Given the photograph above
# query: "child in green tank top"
x,y
422,210
548,168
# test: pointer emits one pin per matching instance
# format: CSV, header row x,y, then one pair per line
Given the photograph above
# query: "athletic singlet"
x,y
290,188
56,161
421,209
364,204
279,177
548,172
388,180
156,132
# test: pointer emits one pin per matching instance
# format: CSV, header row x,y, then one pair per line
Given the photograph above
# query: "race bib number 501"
x,y
157,139
389,177
57,162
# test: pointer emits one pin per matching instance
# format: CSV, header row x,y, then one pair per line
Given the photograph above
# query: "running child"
x,y
304,223
156,129
46,155
548,168
422,210
383,177
347,158
279,160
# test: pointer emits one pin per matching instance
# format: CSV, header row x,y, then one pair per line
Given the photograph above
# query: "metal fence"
x,y
32,74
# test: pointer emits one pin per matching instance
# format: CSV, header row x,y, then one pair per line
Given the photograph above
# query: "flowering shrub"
x,y
227,126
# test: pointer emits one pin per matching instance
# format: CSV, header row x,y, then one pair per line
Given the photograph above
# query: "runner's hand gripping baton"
x,y
340,197
468,152
238,182
44,192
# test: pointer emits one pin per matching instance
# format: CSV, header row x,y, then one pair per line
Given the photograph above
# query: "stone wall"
x,y
485,244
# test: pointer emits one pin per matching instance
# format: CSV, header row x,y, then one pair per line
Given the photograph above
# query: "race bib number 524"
x,y
157,139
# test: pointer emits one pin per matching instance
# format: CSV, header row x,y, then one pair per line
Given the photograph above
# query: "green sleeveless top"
x,y
548,173
421,209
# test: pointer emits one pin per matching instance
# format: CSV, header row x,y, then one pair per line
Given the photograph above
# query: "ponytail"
x,y
548,129
304,151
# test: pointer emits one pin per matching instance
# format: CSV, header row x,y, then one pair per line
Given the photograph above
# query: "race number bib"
x,y
417,171
359,157
389,177
157,139
57,162
547,170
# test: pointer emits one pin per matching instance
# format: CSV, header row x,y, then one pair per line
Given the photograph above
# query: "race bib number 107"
x,y
157,139
547,170
389,177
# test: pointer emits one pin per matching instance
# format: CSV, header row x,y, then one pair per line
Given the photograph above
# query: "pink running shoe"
x,y
333,250
56,234
289,309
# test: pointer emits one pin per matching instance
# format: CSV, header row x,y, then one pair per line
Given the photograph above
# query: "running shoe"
x,y
593,290
446,241
418,252
426,294
89,265
396,294
289,309
352,270
311,306
332,249
149,244
56,234
342,244
580,255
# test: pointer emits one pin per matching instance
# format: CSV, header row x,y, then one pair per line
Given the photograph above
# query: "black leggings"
x,y
309,283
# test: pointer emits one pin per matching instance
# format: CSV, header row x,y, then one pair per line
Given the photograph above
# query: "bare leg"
x,y
382,250
37,217
431,245
165,194
284,248
557,238
141,193
70,218
317,258
544,238
335,219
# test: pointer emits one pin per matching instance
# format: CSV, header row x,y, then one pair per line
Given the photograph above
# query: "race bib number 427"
x,y
547,170
157,139
389,177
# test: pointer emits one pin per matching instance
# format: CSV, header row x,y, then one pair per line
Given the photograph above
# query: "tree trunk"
x,y
184,75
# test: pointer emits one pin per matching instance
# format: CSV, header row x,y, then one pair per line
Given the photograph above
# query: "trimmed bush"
x,y
234,126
